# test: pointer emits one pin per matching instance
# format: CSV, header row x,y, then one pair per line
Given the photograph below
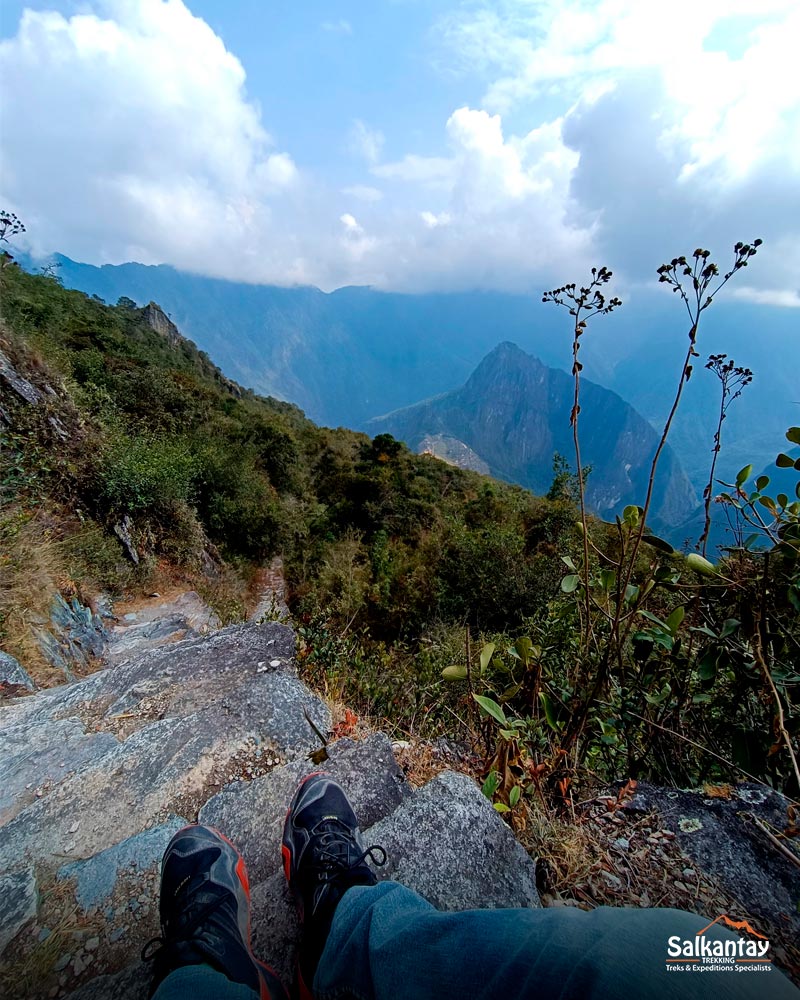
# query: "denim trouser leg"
x,y
387,942
201,982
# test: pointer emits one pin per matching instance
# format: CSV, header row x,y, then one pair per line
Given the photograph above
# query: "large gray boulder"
x,y
101,772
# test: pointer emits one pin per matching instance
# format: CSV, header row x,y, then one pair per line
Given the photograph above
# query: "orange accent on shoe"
x,y
241,874
303,992
287,861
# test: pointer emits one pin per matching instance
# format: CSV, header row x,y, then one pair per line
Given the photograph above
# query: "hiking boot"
x,y
323,857
205,913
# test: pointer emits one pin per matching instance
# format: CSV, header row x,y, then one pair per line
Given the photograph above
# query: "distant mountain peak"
x,y
513,413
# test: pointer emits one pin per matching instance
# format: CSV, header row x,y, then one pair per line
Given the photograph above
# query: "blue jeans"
x,y
387,942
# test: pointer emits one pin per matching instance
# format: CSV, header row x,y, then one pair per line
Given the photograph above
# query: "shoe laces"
x,y
156,946
334,843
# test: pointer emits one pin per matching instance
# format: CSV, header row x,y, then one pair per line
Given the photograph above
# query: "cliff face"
x,y
513,413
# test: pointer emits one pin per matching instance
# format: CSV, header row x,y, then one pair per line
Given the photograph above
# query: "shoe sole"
x,y
271,986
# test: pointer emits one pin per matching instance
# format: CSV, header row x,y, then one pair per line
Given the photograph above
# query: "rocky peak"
x,y
157,319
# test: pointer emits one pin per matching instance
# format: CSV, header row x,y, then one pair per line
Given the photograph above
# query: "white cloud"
x,y
131,136
417,169
366,142
685,119
363,192
609,132
340,27
787,299
432,220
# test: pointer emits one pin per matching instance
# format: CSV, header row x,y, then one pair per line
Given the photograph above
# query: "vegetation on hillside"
x,y
639,662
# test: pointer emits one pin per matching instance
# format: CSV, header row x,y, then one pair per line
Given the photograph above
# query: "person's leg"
x,y
201,982
386,942
204,950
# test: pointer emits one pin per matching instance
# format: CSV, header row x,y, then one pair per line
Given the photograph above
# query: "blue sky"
x,y
409,144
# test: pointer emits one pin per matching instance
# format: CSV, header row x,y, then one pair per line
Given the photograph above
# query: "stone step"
x,y
169,766
444,840
159,623
251,814
37,756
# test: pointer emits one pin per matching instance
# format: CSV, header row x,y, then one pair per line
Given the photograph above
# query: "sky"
x,y
406,144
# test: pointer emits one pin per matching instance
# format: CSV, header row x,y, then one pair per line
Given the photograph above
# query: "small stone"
x,y
53,992
681,887
74,828
92,944
62,963
44,934
622,843
143,898
116,934
689,873
274,663
78,966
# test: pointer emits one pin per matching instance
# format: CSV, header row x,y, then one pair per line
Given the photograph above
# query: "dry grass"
x,y
32,571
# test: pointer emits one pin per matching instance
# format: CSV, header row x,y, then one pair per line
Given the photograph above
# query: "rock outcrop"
x,y
99,773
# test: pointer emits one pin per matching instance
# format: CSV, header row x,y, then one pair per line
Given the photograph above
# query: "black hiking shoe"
x,y
205,913
323,857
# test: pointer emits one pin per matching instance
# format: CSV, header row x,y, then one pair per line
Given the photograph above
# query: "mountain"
x,y
348,355
513,414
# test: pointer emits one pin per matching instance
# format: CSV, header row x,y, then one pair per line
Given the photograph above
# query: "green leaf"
x,y
782,499
769,503
501,807
675,619
751,540
455,673
513,795
743,475
486,656
631,515
729,627
607,579
569,563
784,461
490,706
524,648
570,583
491,784
510,692
658,543
793,435
654,618
762,483
701,565
707,666
549,710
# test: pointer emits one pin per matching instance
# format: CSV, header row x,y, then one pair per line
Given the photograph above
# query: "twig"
x,y
774,840
759,655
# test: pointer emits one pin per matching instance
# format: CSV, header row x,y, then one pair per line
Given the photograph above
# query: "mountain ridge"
x,y
513,413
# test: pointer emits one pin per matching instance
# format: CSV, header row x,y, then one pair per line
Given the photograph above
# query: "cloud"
x,y
364,192
787,299
366,142
131,136
432,220
340,27
609,132
684,120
